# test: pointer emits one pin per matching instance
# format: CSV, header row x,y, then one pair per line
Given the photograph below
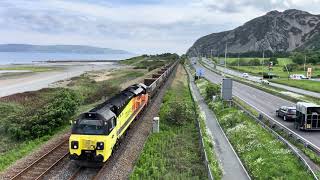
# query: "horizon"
x,y
140,26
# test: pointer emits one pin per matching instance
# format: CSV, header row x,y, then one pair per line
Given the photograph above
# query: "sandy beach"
x,y
38,80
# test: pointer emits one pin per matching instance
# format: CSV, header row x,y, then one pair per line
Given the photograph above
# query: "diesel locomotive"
x,y
95,133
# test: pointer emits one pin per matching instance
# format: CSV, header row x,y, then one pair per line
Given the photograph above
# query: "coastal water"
x,y
28,58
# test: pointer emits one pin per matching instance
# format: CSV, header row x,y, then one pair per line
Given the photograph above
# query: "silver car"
x,y
287,113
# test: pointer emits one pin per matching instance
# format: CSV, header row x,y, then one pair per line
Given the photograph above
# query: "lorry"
x,y
307,116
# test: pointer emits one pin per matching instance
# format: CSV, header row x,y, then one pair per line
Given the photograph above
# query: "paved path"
x,y
257,79
231,165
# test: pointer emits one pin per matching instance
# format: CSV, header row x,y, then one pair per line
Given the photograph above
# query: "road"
x,y
231,165
257,79
44,79
264,102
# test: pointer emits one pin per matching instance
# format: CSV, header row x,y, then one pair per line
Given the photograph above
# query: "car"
x,y
245,75
286,112
263,81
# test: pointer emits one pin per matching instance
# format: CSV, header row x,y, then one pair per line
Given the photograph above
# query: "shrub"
x,y
254,62
104,89
274,60
35,123
298,58
178,112
212,90
291,67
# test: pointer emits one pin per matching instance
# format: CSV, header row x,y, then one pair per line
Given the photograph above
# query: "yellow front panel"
x,y
88,142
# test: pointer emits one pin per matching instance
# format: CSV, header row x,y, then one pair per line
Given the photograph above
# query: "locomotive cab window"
x,y
89,127
112,123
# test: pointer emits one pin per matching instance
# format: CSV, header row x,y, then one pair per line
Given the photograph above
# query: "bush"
x,y
102,90
254,62
212,90
178,112
274,61
291,67
298,58
35,123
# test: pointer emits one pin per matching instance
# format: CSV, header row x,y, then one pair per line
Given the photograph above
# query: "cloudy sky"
x,y
139,26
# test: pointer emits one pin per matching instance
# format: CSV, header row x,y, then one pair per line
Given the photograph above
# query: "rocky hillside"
x,y
276,31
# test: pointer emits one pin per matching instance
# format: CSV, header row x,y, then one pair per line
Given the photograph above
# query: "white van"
x,y
298,76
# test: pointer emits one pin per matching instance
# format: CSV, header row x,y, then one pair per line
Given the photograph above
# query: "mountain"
x,y
59,49
276,31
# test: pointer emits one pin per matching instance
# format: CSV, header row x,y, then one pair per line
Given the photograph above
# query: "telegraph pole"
x,y
305,61
225,56
262,64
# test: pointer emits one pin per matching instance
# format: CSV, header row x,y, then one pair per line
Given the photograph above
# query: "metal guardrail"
x,y
279,137
291,133
203,151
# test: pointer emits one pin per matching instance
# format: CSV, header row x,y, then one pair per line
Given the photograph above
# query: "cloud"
x,y
140,26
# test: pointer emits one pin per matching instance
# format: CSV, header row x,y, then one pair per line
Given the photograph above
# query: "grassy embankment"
x,y
263,155
174,152
302,84
150,62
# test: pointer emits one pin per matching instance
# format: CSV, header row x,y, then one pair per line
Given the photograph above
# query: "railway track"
x,y
39,168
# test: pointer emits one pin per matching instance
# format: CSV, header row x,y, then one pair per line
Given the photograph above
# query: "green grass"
x,y
302,84
282,61
174,152
148,62
32,68
263,155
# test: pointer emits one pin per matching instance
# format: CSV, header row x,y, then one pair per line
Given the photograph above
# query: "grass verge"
x,y
305,84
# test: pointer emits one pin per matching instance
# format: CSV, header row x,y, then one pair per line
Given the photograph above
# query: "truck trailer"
x,y
308,116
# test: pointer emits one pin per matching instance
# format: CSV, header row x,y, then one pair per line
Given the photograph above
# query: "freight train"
x,y
95,133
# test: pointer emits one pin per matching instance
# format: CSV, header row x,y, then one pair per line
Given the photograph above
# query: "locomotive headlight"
x,y
74,144
100,145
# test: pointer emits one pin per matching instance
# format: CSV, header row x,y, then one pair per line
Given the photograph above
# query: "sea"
x,y
7,58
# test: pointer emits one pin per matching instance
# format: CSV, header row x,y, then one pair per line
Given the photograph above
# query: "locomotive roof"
x,y
119,101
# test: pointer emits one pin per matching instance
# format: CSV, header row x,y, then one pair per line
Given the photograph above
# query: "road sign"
x,y
226,90
200,72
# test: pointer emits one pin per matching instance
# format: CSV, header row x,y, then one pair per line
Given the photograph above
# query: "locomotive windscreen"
x,y
90,127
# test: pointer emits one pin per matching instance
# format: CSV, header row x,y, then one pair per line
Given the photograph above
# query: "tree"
x,y
298,58
255,62
274,60
291,67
